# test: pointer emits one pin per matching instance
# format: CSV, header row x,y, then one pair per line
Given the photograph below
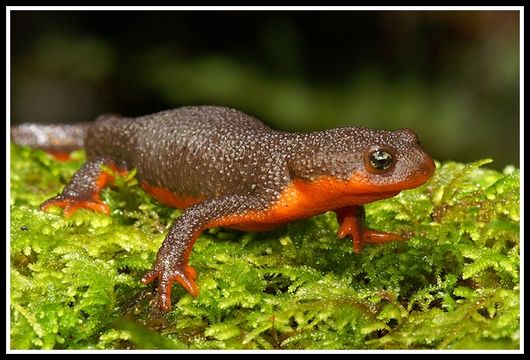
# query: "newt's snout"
x,y
422,173
427,168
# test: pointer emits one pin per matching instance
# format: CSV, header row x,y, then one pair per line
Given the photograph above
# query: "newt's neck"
x,y
311,155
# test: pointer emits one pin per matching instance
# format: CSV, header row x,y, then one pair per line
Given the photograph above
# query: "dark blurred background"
x,y
452,76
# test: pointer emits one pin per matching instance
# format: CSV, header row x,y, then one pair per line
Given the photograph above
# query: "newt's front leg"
x,y
172,258
351,221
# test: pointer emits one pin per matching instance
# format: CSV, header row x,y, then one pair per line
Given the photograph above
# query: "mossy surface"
x,y
453,285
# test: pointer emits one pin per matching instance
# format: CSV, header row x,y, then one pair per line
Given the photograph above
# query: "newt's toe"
x,y
376,237
166,278
71,205
190,272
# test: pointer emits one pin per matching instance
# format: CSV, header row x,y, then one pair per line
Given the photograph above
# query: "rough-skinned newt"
x,y
226,168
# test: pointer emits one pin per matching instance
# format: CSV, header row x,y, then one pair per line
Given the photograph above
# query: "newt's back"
x,y
200,151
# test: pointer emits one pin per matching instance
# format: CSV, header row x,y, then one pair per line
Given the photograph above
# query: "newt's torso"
x,y
192,154
227,168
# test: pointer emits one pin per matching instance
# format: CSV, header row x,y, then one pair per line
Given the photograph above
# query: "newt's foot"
x,y
167,274
70,205
351,222
367,236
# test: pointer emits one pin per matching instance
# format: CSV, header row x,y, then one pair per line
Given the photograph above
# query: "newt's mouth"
x,y
422,174
418,177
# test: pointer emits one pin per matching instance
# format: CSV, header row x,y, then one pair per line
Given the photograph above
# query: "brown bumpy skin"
x,y
226,168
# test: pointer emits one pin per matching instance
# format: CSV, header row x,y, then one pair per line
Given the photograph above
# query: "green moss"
x,y
453,285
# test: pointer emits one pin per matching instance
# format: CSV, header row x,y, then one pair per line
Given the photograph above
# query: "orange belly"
x,y
166,197
299,200
247,221
302,199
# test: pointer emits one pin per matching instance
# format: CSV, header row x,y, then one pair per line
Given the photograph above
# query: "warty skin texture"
x,y
235,171
211,151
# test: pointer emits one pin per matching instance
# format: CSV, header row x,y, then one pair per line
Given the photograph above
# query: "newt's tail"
x,y
55,139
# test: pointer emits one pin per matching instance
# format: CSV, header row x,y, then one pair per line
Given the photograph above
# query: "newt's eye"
x,y
381,159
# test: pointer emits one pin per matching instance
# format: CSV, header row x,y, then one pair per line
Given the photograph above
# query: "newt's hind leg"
x,y
83,191
351,221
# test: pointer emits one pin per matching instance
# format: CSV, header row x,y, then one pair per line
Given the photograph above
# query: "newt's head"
x,y
363,161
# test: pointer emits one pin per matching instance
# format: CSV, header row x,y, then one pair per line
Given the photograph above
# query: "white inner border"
x,y
261,8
